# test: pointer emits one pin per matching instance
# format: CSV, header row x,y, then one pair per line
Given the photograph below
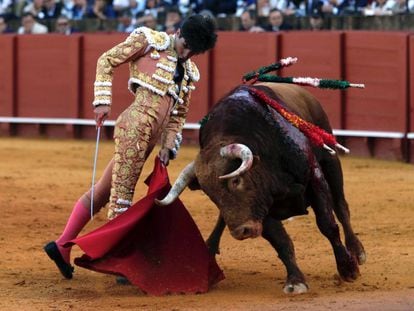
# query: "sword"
x,y
98,134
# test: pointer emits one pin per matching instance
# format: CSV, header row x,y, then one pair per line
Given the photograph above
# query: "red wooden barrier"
x,y
237,53
47,79
378,59
319,55
7,82
52,76
200,97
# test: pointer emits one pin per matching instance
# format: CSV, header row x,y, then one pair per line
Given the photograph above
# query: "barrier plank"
x,y
319,55
47,76
378,59
237,53
7,75
7,98
47,80
200,96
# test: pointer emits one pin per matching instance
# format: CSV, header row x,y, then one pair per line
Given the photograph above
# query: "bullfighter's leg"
x,y
322,205
78,219
213,241
133,136
333,174
275,233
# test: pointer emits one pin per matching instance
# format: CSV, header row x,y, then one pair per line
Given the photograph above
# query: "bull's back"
x,y
300,101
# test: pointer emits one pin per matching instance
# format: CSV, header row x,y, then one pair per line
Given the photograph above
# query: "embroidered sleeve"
x,y
133,47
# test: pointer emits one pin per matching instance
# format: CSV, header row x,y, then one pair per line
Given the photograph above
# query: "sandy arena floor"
x,y
41,179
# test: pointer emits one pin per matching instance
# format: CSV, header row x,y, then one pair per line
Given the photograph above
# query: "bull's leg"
x,y
275,233
322,205
333,174
213,241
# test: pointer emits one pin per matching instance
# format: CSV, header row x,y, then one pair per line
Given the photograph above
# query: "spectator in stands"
x,y
312,6
6,8
126,23
316,21
133,7
148,20
352,7
35,7
173,20
4,26
63,26
403,7
195,6
293,7
221,8
330,7
79,10
263,8
51,9
380,7
276,21
102,10
249,22
154,7
31,26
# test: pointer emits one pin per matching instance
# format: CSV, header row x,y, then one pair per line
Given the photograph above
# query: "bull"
x,y
259,170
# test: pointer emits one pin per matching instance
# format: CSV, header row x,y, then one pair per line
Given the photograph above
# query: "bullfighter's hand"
x,y
101,114
164,155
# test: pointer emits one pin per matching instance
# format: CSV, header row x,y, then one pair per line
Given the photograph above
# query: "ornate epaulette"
x,y
156,39
192,71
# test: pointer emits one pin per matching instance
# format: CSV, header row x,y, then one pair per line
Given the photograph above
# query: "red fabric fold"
x,y
158,249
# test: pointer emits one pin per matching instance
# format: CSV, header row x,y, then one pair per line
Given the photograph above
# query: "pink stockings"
x,y
81,211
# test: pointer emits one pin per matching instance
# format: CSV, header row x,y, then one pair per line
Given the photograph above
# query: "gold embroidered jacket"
x,y
152,63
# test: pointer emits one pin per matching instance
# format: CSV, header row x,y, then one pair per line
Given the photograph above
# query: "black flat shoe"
x,y
52,251
121,280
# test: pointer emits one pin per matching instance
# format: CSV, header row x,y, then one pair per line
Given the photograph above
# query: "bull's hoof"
x,y
362,258
349,270
298,288
356,248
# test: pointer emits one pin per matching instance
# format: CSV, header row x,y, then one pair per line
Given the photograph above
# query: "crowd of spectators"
x,y
43,16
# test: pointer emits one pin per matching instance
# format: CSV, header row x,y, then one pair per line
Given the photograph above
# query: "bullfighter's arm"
x,y
171,137
133,47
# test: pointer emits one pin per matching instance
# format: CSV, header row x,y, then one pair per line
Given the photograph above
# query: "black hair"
x,y
25,14
174,9
199,33
252,13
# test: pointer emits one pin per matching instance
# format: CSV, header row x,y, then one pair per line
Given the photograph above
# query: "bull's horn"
x,y
237,151
186,175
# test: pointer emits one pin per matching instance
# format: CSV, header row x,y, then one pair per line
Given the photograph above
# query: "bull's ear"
x,y
194,184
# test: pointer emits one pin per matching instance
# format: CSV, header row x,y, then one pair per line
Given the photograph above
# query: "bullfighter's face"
x,y
180,45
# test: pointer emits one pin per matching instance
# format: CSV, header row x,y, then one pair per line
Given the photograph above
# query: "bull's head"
x,y
226,179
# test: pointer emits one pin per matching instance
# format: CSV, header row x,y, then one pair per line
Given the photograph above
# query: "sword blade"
x,y
95,159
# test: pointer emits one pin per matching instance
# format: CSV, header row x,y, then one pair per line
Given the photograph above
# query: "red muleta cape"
x,y
158,249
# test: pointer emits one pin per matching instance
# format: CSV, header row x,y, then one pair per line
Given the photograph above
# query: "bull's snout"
x,y
251,229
